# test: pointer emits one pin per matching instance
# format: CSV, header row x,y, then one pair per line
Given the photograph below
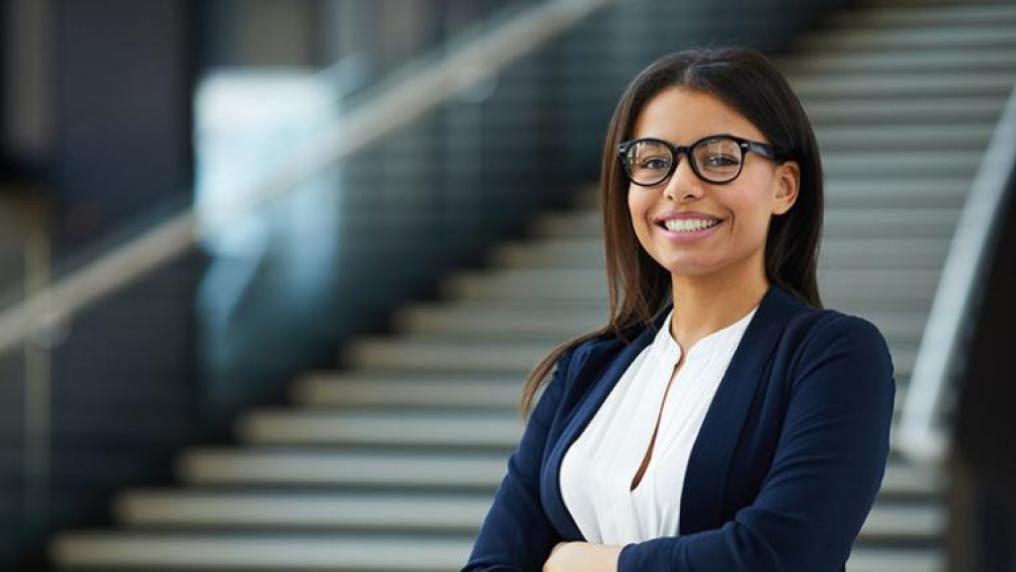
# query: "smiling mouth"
x,y
715,223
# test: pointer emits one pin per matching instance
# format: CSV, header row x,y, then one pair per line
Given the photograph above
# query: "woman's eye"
x,y
653,164
720,160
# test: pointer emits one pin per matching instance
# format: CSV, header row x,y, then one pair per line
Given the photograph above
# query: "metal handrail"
x,y
399,103
920,434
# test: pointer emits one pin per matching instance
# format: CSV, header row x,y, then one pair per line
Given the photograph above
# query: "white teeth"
x,y
684,225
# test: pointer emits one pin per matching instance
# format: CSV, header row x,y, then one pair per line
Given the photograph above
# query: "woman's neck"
x,y
705,304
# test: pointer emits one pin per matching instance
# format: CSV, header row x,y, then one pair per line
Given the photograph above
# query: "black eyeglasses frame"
x,y
746,145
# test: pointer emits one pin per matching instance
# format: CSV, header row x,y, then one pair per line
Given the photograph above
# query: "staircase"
x,y
392,464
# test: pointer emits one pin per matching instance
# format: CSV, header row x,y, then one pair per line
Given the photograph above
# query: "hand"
x,y
582,557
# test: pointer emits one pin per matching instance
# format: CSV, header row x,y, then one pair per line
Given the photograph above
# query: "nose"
x,y
683,180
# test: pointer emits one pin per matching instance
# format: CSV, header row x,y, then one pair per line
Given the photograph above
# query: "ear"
x,y
786,184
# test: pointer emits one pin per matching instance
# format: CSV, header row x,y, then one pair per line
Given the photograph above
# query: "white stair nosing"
x,y
366,428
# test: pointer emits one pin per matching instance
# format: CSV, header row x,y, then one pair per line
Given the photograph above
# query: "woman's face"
x,y
744,205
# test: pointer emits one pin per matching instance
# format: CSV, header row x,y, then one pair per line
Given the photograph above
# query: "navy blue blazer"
x,y
782,474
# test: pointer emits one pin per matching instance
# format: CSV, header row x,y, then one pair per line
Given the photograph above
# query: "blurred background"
x,y
272,271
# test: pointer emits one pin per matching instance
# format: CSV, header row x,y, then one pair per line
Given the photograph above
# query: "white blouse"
x,y
598,468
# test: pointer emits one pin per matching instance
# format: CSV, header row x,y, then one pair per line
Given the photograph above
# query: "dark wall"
x,y
5,159
120,387
25,88
125,72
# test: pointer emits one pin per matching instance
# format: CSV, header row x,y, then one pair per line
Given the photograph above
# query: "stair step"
x,y
563,283
458,355
339,551
386,512
260,551
353,510
841,297
321,391
491,424
938,61
921,523
881,111
378,470
329,467
993,36
583,279
876,165
896,16
924,255
371,428
898,86
468,320
896,559
864,307
441,355
889,193
968,137
324,393
463,319
588,253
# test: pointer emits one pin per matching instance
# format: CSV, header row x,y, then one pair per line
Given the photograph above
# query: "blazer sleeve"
x,y
516,534
826,471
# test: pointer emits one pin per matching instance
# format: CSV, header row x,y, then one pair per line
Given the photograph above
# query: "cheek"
x,y
638,207
749,225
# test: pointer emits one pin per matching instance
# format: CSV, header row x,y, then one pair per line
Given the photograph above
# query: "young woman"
x,y
722,420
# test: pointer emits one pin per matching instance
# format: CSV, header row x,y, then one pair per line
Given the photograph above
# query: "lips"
x,y
685,215
690,236
662,222
710,224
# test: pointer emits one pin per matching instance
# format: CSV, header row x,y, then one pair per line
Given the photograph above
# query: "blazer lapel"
x,y
584,413
706,476
702,496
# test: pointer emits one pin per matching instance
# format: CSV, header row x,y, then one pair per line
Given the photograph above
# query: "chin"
x,y
689,267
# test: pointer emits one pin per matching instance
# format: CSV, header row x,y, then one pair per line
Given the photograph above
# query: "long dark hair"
x,y
748,81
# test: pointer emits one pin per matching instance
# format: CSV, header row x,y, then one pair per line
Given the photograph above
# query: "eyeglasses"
x,y
715,158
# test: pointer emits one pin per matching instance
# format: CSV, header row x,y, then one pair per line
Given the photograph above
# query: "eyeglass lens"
x,y
717,160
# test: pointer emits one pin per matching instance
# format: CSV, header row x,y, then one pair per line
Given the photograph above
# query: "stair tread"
x,y
258,551
434,512
335,467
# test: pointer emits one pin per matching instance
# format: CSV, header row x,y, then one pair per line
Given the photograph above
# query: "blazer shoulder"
x,y
581,363
821,332
817,323
569,362
575,357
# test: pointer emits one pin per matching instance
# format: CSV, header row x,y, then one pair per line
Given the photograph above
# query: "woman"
x,y
722,420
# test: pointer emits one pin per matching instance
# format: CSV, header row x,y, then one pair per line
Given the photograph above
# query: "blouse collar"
x,y
721,338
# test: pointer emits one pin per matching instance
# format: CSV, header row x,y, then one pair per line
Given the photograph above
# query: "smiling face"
x,y
744,205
